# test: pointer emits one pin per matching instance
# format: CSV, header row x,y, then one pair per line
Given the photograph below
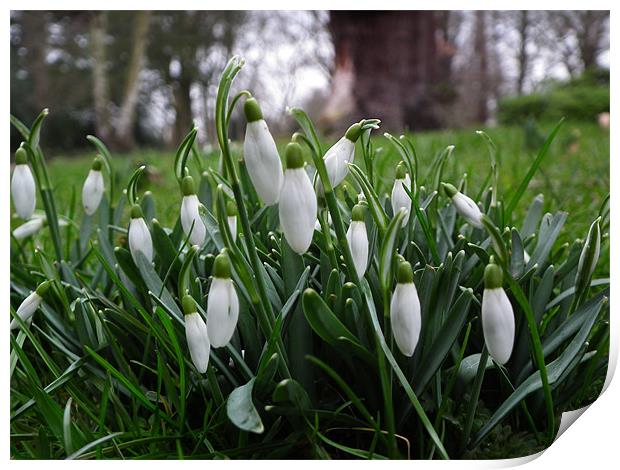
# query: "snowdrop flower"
x,y
298,205
139,235
465,206
190,217
222,304
498,320
357,238
196,334
29,228
30,304
231,214
338,157
92,191
23,187
400,198
405,316
261,155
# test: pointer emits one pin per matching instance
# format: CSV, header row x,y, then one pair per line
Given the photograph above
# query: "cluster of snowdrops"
x,y
296,196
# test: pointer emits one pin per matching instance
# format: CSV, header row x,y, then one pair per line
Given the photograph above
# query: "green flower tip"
x,y
294,158
252,110
97,163
21,157
187,186
493,278
231,209
353,133
189,304
357,214
43,288
221,267
405,273
401,171
136,212
449,189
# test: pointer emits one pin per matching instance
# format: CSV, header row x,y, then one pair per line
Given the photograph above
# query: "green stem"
x,y
233,103
538,353
473,400
328,239
450,386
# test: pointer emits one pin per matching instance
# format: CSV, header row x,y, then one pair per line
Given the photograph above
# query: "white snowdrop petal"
x,y
189,215
400,198
468,209
140,239
27,308
92,191
232,225
28,228
357,237
498,324
222,312
23,190
197,341
297,209
263,161
405,317
336,162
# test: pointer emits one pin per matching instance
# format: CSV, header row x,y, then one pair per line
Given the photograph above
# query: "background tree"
x,y
393,61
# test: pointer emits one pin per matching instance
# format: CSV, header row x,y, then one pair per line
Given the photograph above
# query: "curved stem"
x,y
265,310
233,103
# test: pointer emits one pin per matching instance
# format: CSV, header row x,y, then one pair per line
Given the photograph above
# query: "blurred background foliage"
x,y
139,79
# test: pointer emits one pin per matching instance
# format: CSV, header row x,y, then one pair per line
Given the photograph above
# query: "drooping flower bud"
x,y
139,236
464,205
498,320
357,238
298,204
222,304
231,215
190,217
588,257
261,155
196,334
23,188
93,188
405,312
30,304
338,157
400,198
29,228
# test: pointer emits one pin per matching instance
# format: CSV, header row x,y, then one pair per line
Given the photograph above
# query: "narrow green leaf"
x,y
530,174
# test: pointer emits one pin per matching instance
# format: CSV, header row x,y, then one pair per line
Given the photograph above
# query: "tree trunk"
x,y
35,40
589,34
480,51
523,29
183,108
127,115
101,90
386,67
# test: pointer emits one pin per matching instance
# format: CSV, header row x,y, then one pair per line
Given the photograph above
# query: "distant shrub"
x,y
579,100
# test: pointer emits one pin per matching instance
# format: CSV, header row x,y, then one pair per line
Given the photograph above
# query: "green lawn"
x,y
574,176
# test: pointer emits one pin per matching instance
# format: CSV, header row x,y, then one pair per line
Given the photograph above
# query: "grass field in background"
x,y
574,176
